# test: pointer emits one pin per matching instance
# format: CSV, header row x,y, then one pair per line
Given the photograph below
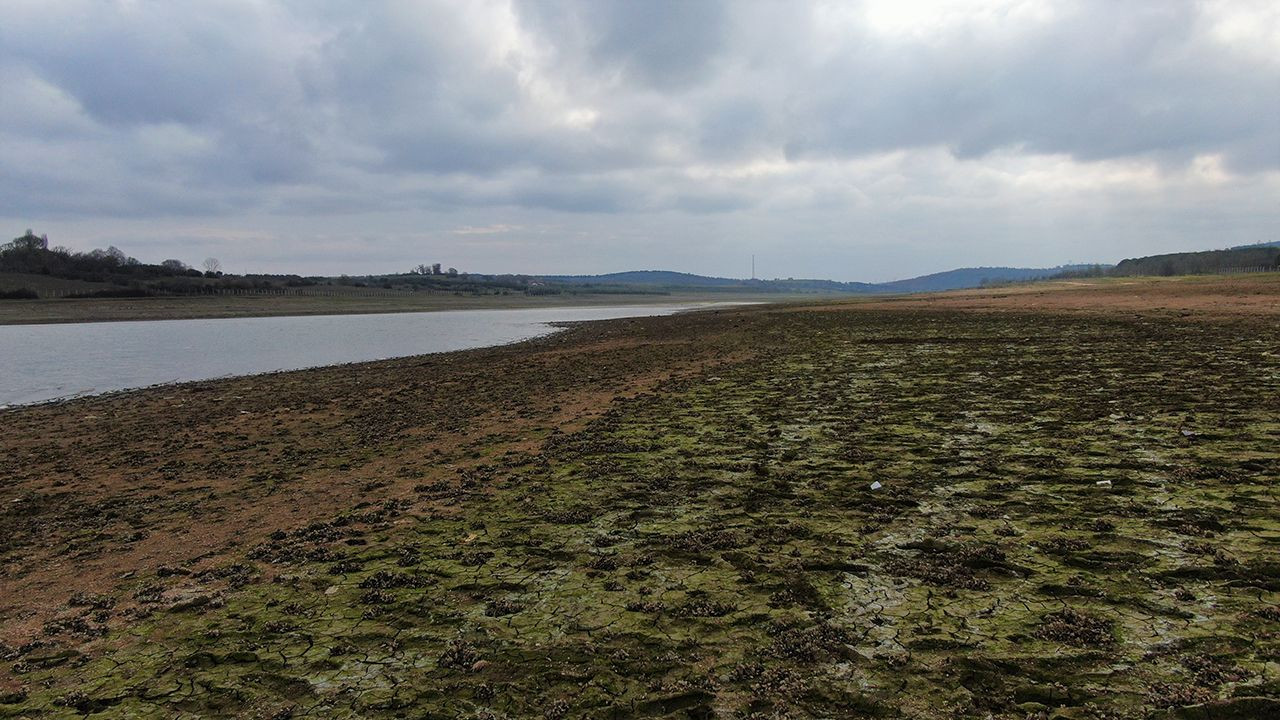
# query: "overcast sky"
x,y
848,140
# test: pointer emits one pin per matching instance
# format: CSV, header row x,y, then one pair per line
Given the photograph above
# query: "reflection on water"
x,y
43,362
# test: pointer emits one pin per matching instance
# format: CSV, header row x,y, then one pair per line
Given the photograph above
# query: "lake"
x,y
47,362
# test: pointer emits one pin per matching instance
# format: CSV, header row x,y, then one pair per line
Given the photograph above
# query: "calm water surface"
x,y
45,362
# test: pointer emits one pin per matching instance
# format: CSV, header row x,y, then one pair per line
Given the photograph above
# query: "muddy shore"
x,y
71,310
1076,516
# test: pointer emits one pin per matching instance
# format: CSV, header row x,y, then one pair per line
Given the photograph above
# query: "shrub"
x,y
121,293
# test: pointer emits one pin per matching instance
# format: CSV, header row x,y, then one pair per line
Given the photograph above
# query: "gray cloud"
x,y
661,44
839,128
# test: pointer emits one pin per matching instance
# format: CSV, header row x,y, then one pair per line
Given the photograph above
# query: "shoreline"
x,y
546,321
66,310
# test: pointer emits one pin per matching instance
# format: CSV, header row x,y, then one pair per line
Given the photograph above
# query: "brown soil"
x,y
189,476
1207,296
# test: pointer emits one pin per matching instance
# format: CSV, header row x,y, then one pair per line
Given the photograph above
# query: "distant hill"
x,y
949,280
665,278
1263,256
962,278
668,280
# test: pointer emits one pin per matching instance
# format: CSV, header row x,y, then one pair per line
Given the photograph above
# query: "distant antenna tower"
x,y
753,266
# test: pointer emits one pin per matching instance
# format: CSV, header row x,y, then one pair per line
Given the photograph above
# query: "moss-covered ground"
x,y
859,514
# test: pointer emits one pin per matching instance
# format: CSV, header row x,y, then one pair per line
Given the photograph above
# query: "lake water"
x,y
46,362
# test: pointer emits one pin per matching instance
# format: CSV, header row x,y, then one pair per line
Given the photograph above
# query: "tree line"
x,y
123,276
1261,257
30,253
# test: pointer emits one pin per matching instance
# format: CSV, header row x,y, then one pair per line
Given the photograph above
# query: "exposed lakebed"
x,y
668,517
45,362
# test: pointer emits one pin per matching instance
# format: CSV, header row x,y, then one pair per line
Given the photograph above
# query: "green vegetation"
x,y
1251,258
31,254
28,264
1200,263
852,514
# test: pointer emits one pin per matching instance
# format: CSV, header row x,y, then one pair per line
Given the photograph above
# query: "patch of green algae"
x,y
715,548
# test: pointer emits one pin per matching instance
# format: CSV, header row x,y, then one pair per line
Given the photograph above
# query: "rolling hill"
x,y
949,280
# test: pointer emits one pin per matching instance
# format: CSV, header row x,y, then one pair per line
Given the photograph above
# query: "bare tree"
x,y
211,265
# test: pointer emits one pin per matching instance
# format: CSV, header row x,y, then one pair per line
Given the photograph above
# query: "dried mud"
x,y
1075,517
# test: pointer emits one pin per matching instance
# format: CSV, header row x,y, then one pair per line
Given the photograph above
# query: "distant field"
x,y
14,312
1192,296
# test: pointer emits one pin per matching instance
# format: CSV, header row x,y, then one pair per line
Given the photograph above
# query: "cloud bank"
x,y
855,140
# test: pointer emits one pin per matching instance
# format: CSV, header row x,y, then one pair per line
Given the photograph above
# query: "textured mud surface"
x,y
1075,517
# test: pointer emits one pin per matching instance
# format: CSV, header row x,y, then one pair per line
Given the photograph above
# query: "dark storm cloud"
x,y
839,115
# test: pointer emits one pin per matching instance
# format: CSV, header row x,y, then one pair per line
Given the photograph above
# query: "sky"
x,y
852,140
